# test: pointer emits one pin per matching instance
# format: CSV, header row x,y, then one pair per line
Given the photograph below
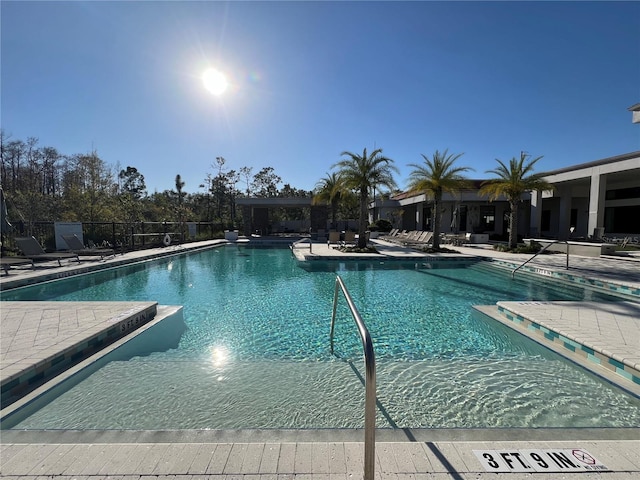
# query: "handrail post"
x,y
370,378
566,242
571,230
302,240
333,314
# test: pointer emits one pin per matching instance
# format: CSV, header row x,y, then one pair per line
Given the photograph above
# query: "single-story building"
x,y
595,198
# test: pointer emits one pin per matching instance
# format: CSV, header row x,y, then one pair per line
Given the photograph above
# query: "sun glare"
x,y
214,81
219,356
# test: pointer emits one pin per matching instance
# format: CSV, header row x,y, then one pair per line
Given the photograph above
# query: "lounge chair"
x,y
419,238
76,246
404,236
34,251
349,238
8,262
391,234
423,240
413,236
334,238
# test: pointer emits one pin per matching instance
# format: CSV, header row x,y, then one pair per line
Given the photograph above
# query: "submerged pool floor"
x,y
480,393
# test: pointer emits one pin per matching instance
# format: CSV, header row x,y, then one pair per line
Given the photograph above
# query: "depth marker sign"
x,y
539,460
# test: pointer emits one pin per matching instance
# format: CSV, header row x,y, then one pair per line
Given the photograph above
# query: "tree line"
x,y
44,184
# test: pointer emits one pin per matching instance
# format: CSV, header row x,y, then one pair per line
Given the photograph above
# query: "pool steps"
x,y
536,321
613,288
22,377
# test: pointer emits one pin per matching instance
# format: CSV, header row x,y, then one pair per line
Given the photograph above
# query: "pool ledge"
x,y
602,338
42,339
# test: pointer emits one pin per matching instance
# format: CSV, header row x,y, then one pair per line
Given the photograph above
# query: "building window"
x,y
463,218
545,221
426,218
622,220
488,217
623,193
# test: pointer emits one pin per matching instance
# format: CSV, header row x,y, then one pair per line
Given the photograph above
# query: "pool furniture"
x,y
76,246
404,236
8,262
34,251
391,234
479,238
349,238
231,235
424,239
334,239
456,239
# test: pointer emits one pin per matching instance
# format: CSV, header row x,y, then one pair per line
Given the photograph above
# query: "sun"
x,y
214,81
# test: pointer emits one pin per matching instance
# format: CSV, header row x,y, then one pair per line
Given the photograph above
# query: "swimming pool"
x,y
255,351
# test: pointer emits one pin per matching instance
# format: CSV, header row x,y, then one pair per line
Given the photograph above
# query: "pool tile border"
x,y
26,378
574,347
605,286
348,257
91,266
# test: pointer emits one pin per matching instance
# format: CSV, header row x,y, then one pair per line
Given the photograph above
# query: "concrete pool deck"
x,y
331,455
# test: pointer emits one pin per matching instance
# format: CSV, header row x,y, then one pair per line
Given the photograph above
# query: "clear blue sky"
x,y
309,80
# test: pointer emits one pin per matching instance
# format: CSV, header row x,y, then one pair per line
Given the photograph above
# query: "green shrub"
x,y
533,247
368,249
439,250
382,225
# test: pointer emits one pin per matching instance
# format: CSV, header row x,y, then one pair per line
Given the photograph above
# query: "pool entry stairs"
x,y
64,337
582,332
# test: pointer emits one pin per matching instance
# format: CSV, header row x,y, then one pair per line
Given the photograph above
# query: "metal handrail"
x,y
513,273
370,378
302,240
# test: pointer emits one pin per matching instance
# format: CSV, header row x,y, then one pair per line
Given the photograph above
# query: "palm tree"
x,y
179,186
363,173
512,182
436,176
330,190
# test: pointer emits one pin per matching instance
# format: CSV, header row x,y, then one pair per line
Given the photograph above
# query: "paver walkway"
x,y
44,330
308,461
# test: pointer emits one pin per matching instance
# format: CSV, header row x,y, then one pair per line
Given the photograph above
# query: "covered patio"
x,y
257,219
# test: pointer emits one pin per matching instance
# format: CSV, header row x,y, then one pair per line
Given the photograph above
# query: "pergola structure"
x,y
255,212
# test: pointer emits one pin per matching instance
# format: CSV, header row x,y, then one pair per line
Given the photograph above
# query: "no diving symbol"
x,y
583,457
539,460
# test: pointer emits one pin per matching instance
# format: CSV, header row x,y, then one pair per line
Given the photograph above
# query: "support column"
x,y
535,222
319,217
246,220
261,220
419,214
564,214
596,202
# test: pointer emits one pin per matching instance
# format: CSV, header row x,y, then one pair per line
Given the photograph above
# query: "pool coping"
x,y
283,435
629,291
128,328
41,365
628,368
9,282
536,330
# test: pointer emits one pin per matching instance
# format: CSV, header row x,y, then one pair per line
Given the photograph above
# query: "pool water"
x,y
254,352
